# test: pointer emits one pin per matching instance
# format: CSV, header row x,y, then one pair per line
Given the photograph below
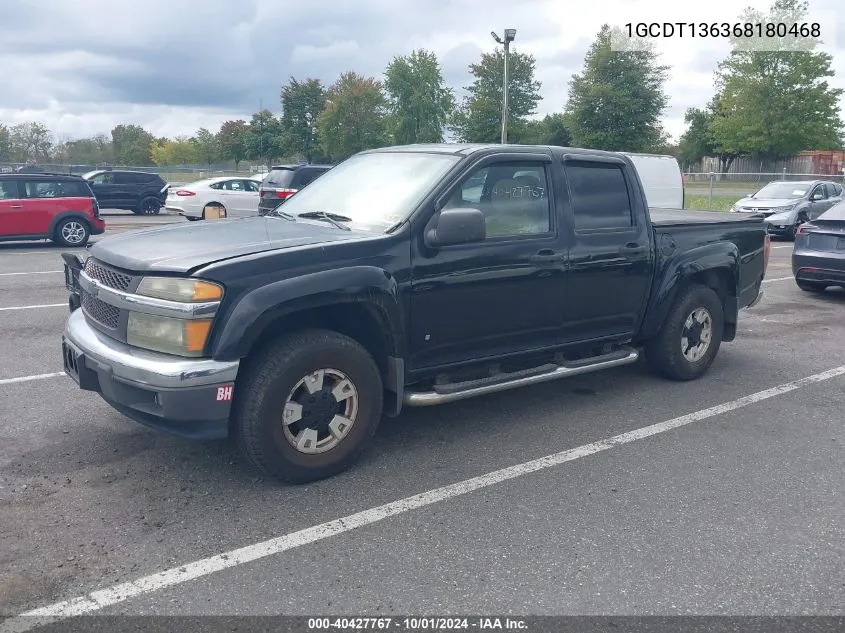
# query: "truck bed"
x,y
669,217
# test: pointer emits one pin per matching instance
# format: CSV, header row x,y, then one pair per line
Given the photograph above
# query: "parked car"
x,y
662,180
787,204
40,206
237,196
285,180
389,282
818,259
141,192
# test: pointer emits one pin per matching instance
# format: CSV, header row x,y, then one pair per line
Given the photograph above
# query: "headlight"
x,y
783,209
179,289
184,337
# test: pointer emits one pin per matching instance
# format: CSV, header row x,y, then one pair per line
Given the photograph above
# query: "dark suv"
x,y
285,180
141,192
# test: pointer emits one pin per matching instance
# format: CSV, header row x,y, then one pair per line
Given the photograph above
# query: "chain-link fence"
x,y
716,191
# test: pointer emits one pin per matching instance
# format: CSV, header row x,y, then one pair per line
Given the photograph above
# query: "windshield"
x,y
780,190
373,190
90,174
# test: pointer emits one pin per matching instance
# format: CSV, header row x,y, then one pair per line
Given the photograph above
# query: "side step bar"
x,y
442,394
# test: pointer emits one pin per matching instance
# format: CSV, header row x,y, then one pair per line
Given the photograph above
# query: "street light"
x,y
510,36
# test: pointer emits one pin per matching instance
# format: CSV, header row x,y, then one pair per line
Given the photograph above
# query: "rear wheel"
x,y
811,286
308,405
149,206
691,335
72,232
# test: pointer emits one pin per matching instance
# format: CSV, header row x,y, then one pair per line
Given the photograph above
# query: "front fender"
x,y
255,310
676,272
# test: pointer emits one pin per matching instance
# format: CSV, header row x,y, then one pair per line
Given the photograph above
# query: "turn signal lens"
x,y
178,289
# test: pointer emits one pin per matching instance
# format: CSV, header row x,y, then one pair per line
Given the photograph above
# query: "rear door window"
x,y
599,196
9,190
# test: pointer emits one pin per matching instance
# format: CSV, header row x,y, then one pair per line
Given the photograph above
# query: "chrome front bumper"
x,y
190,397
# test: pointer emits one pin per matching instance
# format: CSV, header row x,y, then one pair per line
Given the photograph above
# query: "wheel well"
x,y
358,321
719,279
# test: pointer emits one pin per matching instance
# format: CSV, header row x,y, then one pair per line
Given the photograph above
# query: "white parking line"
x,y
784,246
102,598
46,251
11,381
43,305
32,272
767,281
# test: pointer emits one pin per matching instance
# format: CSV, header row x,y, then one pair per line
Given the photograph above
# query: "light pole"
x,y
510,36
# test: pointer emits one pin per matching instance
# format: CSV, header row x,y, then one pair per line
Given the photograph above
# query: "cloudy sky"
x,y
82,66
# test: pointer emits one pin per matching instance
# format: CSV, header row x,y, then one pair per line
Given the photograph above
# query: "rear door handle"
x,y
16,206
632,248
547,255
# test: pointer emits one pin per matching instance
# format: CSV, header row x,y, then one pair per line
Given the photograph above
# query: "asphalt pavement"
x,y
725,495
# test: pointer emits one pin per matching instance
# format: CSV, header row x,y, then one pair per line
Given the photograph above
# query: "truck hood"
x,y
183,247
780,218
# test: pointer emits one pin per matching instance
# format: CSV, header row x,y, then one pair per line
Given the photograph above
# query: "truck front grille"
x,y
100,311
106,275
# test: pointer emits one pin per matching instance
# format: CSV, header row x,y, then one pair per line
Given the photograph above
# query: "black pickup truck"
x,y
405,276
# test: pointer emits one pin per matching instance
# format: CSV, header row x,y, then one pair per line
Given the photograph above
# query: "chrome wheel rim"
x,y
697,334
73,232
320,411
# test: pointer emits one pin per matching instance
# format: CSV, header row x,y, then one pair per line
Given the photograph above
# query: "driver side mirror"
x,y
457,226
816,197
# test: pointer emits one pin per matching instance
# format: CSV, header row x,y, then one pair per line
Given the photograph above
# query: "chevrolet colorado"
x,y
405,276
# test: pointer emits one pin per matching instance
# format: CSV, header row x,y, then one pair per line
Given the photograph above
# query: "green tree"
x,y
420,103
5,144
616,101
178,151
232,140
354,118
208,151
263,138
30,142
697,140
550,130
95,150
302,103
132,145
479,119
775,103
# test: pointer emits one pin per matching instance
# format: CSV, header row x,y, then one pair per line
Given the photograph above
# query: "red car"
x,y
58,207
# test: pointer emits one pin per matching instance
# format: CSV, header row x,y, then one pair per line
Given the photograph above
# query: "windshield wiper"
x,y
278,213
333,218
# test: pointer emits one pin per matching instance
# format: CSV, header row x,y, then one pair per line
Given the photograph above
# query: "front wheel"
x,y
308,405
691,335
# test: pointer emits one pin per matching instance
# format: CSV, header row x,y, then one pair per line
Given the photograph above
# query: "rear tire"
x,y
288,418
691,335
811,286
149,206
72,232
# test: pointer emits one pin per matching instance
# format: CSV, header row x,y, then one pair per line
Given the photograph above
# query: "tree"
x,y
302,103
208,150
263,138
420,103
697,141
479,119
179,151
5,144
550,130
30,142
616,101
354,117
231,140
132,145
95,150
775,103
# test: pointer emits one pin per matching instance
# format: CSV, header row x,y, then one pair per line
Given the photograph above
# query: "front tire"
x,y
308,405
72,232
691,335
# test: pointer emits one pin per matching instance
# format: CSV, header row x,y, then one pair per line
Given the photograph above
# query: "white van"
x,y
662,180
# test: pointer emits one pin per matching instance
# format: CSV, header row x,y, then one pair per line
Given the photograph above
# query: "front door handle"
x,y
547,255
632,248
16,206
